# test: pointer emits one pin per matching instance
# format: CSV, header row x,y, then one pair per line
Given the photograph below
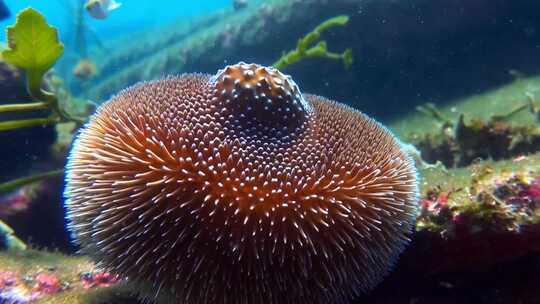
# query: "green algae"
x,y
500,101
463,177
501,123
12,241
33,46
19,182
308,47
33,260
213,39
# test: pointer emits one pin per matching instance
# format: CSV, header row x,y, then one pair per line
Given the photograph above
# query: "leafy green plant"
x,y
33,46
306,49
11,240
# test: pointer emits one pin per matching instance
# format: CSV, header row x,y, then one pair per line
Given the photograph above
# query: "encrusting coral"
x,y
237,188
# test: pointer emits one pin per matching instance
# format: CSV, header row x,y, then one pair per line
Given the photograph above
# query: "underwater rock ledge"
x,y
478,265
384,69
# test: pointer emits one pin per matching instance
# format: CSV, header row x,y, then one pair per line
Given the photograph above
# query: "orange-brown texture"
x,y
240,190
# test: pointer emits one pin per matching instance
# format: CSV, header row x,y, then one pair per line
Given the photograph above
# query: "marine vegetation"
x,y
33,46
460,143
10,239
492,201
231,188
474,217
306,49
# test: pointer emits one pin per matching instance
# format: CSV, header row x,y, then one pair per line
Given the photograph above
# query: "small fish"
x,y
4,11
85,69
100,9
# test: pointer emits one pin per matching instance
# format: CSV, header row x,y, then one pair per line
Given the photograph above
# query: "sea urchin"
x,y
237,188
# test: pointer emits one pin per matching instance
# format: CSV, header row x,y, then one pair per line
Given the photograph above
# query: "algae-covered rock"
x,y
34,276
477,238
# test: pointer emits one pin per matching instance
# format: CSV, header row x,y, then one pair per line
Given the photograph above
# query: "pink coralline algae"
x,y
8,278
502,203
13,290
47,283
14,202
495,218
519,194
25,288
98,279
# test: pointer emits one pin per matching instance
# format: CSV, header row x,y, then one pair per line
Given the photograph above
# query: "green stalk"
x,y
304,48
23,107
19,182
509,115
33,85
12,241
25,123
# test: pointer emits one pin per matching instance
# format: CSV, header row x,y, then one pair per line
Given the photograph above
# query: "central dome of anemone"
x,y
238,188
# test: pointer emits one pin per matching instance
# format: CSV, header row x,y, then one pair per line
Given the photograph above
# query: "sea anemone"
x,y
237,188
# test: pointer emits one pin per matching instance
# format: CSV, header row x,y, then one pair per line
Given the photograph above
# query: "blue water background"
x,y
132,16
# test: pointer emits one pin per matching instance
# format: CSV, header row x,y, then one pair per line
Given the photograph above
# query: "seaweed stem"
x,y
14,184
26,123
12,241
305,50
23,106
507,116
431,110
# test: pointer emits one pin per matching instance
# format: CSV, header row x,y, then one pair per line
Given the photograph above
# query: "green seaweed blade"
x,y
33,45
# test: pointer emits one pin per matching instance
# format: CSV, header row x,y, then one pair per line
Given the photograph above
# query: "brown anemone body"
x,y
175,189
